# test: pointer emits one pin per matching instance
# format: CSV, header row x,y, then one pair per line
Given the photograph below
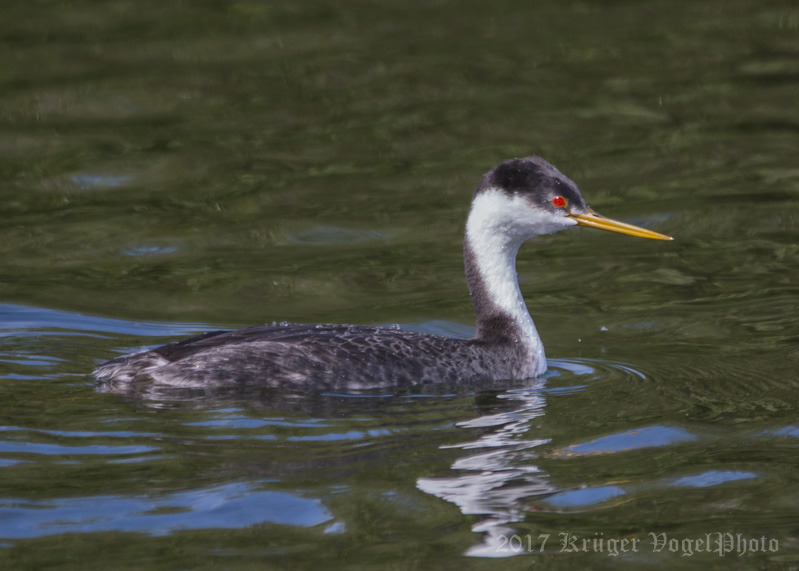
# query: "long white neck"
x,y
497,226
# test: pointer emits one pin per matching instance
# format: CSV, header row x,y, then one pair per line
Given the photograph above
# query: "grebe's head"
x,y
522,198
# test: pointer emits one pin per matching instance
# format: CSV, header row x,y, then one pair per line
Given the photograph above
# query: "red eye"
x,y
559,201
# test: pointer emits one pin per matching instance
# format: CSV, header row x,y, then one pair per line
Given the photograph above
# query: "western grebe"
x,y
515,201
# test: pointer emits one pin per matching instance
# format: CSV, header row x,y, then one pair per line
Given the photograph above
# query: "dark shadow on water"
x,y
313,402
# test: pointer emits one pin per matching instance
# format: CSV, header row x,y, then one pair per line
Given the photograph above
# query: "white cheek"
x,y
534,223
494,212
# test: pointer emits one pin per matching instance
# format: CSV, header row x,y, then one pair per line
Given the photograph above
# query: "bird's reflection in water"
x,y
496,475
496,479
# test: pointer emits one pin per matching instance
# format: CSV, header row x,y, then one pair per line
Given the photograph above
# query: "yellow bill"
x,y
595,220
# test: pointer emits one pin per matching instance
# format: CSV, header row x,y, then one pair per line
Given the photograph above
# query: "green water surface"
x,y
173,167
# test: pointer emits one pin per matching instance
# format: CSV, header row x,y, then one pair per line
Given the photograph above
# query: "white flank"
x,y
497,226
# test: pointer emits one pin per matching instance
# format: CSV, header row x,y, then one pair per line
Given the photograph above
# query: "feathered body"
x,y
320,356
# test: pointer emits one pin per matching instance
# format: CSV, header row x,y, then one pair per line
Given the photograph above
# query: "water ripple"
x,y
646,437
230,506
27,447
